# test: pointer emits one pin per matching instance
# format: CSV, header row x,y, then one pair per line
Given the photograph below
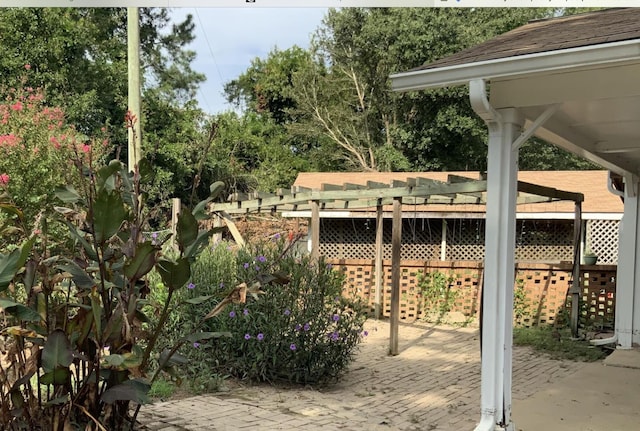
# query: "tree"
x,y
350,100
78,57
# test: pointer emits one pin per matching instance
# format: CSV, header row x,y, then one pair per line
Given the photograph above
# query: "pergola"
x,y
572,81
413,191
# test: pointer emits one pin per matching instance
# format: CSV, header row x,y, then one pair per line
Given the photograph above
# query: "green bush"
x,y
300,330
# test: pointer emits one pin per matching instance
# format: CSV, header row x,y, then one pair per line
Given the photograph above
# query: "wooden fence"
x,y
541,289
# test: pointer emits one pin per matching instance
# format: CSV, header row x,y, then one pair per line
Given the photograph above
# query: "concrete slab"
x,y
629,358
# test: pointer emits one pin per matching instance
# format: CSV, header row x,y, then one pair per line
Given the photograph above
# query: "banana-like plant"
x,y
75,350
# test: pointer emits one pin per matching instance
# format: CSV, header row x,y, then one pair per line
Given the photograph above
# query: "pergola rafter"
x,y
457,190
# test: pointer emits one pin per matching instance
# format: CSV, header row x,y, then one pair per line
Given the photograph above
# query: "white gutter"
x,y
573,58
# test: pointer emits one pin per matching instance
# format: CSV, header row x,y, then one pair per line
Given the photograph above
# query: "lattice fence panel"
x,y
602,237
599,290
545,290
465,239
544,240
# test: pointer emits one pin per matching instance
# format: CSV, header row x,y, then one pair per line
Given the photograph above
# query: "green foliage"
x,y
77,353
522,307
299,329
557,343
437,294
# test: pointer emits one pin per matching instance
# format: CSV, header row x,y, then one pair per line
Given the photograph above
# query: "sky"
x,y
228,39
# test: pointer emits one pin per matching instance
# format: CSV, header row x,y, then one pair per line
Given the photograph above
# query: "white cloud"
x,y
237,35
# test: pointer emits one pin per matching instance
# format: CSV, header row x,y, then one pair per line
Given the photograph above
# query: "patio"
x,y
433,384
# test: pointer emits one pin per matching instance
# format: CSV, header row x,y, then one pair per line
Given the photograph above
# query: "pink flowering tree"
x,y
37,149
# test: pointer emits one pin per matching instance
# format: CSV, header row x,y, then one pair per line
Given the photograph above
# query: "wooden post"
x,y
315,230
217,222
575,287
379,274
396,249
133,62
443,241
175,210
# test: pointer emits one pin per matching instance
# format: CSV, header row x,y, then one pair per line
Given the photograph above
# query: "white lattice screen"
x,y
602,239
536,240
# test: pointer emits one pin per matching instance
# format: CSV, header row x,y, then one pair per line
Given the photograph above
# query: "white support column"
x,y
628,280
497,325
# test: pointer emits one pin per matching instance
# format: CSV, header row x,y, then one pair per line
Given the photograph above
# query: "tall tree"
x,y
349,100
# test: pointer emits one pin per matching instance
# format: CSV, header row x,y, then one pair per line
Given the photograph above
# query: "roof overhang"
x,y
596,89
522,65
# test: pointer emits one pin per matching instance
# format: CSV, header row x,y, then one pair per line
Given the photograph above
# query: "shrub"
x,y
438,297
300,330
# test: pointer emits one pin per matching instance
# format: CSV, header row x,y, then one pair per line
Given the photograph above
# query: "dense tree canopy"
x,y
336,100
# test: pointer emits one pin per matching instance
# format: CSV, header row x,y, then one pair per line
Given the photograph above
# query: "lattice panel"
x,y
465,239
602,237
544,240
598,289
355,239
545,286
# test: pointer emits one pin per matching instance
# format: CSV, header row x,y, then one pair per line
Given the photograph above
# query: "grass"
x,y
162,389
558,344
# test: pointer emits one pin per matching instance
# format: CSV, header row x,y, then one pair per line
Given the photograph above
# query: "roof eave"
x,y
574,58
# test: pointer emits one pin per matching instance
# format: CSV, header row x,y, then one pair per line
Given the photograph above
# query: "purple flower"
x,y
336,317
365,333
246,265
329,266
191,286
245,312
292,346
277,236
306,327
261,259
298,326
287,312
334,336
154,235
196,344
247,336
221,285
232,314
257,268
260,336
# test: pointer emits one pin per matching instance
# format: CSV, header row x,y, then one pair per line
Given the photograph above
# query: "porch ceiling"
x,y
592,84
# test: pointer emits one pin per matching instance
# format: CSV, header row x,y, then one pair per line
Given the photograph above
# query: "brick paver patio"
x,y
433,384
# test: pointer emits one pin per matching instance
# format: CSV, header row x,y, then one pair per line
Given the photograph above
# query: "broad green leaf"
x,y
131,390
199,244
105,175
174,274
20,311
215,189
174,359
78,275
199,336
108,214
187,229
91,253
56,352
57,401
11,209
142,262
59,376
198,300
96,307
68,194
10,263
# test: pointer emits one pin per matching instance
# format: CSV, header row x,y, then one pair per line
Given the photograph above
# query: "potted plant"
x,y
589,257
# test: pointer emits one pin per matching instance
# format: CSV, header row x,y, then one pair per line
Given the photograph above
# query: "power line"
x,y
213,57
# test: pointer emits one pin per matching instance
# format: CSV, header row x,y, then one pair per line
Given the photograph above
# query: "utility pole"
x,y
133,61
